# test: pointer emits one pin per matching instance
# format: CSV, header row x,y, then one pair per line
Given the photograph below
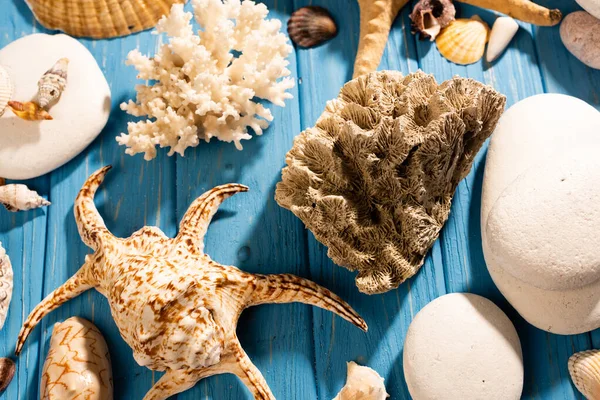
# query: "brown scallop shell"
x,y
7,371
310,26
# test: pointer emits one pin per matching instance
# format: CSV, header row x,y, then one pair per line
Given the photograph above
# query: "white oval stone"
x,y
32,148
591,6
503,30
540,212
462,346
580,33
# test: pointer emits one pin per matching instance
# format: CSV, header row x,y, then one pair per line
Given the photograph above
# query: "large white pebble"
x,y
32,148
540,212
462,346
591,6
580,33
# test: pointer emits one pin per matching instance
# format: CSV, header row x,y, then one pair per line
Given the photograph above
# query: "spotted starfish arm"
x,y
89,222
524,10
286,288
248,373
177,381
376,19
73,287
195,222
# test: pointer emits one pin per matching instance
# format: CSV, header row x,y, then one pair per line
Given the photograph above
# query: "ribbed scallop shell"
x,y
310,26
100,19
7,89
463,41
584,368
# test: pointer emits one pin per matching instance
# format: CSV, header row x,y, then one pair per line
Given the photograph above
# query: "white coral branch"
x,y
208,84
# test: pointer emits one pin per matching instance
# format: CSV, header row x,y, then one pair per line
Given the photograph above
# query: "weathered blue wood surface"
x,y
301,350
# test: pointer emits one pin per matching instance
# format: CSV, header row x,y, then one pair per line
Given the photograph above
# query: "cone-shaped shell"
x,y
7,89
584,368
463,41
310,26
53,83
100,19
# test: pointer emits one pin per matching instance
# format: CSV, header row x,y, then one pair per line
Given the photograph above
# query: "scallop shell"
x,y
584,368
100,19
53,83
463,41
7,372
310,26
7,89
6,284
78,363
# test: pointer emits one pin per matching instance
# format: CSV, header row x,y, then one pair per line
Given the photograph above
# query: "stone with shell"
x,y
174,306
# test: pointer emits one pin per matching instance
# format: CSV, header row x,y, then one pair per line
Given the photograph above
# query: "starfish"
x,y
174,306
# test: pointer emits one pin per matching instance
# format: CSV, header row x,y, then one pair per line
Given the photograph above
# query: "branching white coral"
x,y
208,84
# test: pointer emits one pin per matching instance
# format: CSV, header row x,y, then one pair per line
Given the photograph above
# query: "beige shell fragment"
x,y
78,363
374,179
6,284
362,383
100,19
175,307
7,89
584,368
18,197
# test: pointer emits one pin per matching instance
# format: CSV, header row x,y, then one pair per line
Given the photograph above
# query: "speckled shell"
x,y
7,89
310,26
100,19
362,383
6,284
53,83
78,363
18,197
584,368
463,41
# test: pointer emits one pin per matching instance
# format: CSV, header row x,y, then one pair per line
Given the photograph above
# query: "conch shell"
x,y
78,363
7,89
18,197
463,41
53,83
6,284
362,383
584,368
30,111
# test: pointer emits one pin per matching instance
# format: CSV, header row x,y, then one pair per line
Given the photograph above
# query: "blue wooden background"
x,y
301,350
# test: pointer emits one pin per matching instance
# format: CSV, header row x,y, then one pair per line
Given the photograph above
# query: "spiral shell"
x,y
584,368
53,83
463,41
18,197
310,26
6,284
7,89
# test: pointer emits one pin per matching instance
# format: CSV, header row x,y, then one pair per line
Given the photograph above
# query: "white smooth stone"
x,y
536,143
591,6
580,33
503,30
462,346
32,148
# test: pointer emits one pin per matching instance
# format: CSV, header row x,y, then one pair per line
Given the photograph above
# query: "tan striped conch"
x,y
174,306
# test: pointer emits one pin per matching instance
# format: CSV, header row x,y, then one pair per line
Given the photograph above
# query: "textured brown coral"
x,y
374,179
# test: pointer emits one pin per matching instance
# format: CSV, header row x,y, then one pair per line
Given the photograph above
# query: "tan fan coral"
x,y
174,306
374,179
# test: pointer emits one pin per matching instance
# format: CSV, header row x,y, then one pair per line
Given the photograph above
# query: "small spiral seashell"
x,y
7,372
463,40
7,89
53,83
584,368
6,289
310,26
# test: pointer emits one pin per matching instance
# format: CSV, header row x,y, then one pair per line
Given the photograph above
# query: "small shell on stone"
x,y
18,197
6,285
504,29
463,40
30,111
310,26
53,83
362,383
7,371
584,368
7,89
430,16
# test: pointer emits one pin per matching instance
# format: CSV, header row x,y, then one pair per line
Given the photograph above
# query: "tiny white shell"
x,y
503,30
6,284
362,383
7,89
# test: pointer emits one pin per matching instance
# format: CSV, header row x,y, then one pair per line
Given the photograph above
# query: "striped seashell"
x,y
6,284
7,89
463,41
53,83
584,368
310,26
